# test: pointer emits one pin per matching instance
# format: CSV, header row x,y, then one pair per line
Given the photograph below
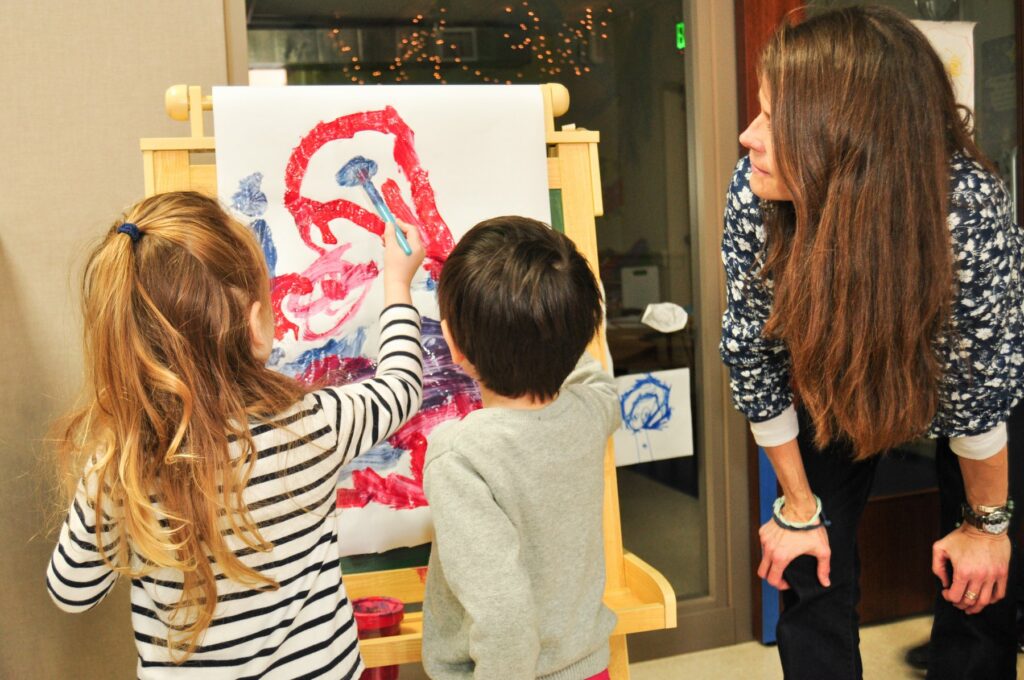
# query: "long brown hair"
x,y
170,380
864,123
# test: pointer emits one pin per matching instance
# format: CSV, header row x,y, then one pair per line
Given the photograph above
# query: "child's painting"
x,y
442,158
953,41
656,421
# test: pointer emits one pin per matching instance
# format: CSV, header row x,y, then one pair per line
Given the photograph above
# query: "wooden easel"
x,y
638,594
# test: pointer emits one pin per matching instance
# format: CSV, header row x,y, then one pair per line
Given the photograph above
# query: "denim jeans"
x,y
982,646
818,629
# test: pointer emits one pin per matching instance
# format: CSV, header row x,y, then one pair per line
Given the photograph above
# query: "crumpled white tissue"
x,y
665,317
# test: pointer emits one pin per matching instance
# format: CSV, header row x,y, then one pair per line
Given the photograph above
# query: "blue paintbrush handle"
x,y
385,214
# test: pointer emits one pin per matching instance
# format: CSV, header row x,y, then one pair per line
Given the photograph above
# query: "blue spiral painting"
x,y
645,407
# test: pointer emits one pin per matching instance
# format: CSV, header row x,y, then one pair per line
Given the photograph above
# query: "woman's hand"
x,y
781,546
400,268
980,564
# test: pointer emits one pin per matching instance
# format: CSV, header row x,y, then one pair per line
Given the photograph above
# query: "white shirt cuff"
x,y
980,446
778,430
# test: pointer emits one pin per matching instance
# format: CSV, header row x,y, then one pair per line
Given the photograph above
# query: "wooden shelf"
x,y
647,602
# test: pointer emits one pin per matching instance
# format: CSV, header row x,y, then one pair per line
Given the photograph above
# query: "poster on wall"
x,y
656,420
954,43
442,158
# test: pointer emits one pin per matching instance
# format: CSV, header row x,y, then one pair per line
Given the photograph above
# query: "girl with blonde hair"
x,y
201,474
874,296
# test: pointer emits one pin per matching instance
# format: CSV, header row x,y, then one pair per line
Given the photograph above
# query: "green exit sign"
x,y
680,36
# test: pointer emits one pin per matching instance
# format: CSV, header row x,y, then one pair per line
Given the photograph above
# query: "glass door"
x,y
631,72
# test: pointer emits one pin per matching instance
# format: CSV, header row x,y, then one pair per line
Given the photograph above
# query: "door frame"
x,y
723,615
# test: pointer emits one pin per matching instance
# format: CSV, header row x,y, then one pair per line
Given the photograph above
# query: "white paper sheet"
x,y
954,43
447,157
656,420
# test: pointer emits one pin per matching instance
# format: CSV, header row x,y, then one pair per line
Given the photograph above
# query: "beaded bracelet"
x,y
818,519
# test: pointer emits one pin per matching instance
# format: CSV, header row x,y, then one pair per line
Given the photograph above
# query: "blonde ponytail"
x,y
170,380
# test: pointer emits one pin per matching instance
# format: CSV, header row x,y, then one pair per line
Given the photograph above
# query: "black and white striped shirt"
x,y
305,628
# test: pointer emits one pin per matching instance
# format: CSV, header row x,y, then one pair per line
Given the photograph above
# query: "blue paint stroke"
x,y
442,378
262,231
381,457
252,202
348,347
645,406
250,199
276,355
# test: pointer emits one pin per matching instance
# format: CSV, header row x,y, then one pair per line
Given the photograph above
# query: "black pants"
x,y
818,630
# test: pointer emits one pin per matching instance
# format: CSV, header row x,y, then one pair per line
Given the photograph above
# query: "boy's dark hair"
x,y
521,303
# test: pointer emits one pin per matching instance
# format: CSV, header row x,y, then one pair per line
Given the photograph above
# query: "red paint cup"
x,y
378,617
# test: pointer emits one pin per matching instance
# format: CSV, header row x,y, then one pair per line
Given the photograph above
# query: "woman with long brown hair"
x,y
874,296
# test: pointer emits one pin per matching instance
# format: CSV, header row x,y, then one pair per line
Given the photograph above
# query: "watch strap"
x,y
981,520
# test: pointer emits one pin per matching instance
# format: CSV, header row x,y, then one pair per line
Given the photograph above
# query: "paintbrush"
x,y
359,172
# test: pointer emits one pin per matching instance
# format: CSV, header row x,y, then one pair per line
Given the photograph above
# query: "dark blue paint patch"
x,y
252,202
356,172
250,199
263,235
442,378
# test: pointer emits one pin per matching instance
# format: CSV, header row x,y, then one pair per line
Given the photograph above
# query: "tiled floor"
x,y
882,648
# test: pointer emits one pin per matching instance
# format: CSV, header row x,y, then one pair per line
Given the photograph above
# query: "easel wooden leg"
x,y
618,666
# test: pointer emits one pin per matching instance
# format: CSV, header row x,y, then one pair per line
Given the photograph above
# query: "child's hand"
x,y
399,268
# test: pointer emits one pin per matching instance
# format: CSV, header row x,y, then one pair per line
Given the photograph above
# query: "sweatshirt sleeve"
x,y
983,378
591,380
365,413
758,366
77,577
479,549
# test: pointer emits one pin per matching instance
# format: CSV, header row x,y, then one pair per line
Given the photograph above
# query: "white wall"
x,y
82,83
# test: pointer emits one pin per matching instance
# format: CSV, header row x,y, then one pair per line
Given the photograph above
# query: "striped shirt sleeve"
x,y
365,413
78,578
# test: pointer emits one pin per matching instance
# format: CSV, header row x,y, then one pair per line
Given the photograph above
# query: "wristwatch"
x,y
991,519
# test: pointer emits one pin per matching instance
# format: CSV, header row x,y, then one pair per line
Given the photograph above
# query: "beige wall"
x,y
82,83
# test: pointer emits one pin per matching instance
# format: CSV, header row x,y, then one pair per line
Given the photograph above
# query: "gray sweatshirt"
x,y
516,578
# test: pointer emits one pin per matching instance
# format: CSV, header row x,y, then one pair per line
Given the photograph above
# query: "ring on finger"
x,y
968,595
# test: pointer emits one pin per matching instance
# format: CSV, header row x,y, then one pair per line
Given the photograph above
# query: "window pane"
x,y
624,72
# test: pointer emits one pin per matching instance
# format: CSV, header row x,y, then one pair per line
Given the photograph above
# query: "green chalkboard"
x,y
399,558
557,217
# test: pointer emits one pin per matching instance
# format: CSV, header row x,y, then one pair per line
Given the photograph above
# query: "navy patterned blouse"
x,y
984,353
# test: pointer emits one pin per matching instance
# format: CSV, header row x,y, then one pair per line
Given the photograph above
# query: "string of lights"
x,y
425,46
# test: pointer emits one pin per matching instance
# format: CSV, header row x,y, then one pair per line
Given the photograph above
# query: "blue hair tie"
x,y
133,231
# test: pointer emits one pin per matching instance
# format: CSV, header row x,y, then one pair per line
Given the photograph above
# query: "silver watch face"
x,y
996,523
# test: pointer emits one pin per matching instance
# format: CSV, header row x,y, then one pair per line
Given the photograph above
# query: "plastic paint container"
x,y
378,617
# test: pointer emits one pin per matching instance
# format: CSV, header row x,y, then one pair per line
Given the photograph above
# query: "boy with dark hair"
x,y
516,578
